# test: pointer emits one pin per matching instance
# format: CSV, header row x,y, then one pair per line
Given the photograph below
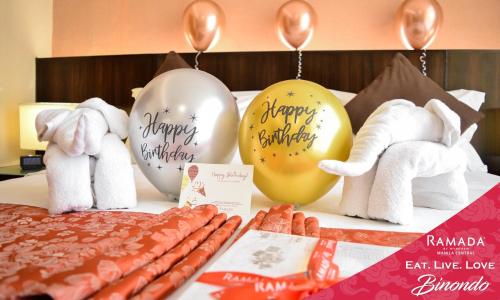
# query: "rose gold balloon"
x,y
418,22
202,22
295,23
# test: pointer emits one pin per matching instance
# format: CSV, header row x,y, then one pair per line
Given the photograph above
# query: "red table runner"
x,y
72,256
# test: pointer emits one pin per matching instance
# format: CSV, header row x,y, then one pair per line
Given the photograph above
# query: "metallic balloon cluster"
x,y
203,21
418,22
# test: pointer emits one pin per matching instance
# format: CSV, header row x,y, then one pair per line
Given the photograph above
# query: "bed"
x,y
152,201
112,78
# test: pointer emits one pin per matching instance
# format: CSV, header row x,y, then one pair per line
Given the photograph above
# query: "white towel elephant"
x,y
87,163
403,156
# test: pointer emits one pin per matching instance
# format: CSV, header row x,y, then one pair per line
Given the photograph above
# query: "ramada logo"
x,y
454,241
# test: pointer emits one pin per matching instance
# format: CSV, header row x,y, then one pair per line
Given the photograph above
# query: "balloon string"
x,y
196,63
422,60
299,66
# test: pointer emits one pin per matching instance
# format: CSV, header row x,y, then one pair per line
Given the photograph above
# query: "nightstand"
x,y
10,172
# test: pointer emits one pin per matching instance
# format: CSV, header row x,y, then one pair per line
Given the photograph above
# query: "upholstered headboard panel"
x,y
73,79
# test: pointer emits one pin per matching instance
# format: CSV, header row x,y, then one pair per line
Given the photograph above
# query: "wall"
x,y
92,27
25,32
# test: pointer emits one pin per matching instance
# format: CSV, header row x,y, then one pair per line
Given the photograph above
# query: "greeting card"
x,y
229,187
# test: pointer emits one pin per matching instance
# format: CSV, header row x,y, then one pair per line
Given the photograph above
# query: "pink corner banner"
x,y
459,259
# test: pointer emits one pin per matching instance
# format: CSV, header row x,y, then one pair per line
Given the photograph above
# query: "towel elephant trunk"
x,y
78,144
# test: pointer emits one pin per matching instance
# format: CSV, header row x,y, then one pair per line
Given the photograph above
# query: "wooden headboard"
x,y
74,79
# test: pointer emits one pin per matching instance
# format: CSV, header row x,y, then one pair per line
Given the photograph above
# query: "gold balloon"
x,y
202,22
287,129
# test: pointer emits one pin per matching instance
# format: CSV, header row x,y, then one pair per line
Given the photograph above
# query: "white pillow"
x,y
474,99
243,99
344,97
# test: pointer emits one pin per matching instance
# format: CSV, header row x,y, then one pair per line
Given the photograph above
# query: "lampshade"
x,y
27,116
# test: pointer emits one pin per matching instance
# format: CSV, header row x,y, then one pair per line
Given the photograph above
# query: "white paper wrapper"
x,y
275,255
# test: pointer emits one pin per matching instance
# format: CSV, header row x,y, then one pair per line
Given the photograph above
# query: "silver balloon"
x,y
183,115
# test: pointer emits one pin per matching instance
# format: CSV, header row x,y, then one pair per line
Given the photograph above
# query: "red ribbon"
x,y
321,272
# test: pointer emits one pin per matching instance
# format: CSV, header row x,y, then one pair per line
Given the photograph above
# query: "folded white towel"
x,y
117,119
114,184
408,174
69,181
391,196
445,191
393,122
355,194
81,131
86,159
47,122
77,132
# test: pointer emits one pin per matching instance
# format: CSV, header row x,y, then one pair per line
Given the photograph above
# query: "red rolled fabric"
x,y
135,281
252,224
374,237
312,227
164,216
298,225
167,283
120,260
174,210
278,219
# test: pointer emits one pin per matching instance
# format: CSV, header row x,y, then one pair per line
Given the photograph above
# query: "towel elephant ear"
x,y
451,121
47,122
116,118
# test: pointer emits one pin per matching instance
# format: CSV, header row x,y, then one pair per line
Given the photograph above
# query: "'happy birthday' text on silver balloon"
x,y
183,115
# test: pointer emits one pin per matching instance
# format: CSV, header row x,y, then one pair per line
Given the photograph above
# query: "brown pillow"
x,y
401,80
172,61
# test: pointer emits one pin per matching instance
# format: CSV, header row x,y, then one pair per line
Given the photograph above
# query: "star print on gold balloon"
x,y
287,129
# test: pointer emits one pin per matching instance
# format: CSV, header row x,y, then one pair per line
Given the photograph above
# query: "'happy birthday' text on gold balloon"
x,y
287,129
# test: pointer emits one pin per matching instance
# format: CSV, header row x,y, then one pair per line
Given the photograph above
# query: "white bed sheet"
x,y
32,190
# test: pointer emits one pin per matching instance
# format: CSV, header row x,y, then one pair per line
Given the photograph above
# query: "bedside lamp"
x,y
28,135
